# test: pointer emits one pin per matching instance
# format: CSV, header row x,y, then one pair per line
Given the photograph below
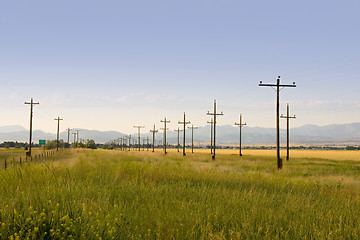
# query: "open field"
x,y
100,194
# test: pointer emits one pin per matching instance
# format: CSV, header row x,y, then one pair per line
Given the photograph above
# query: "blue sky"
x,y
109,65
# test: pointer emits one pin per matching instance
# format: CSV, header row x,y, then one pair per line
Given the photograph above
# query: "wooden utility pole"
x,y
240,124
139,127
214,114
184,123
57,135
31,103
68,136
153,138
192,137
178,138
277,85
164,128
287,130
211,134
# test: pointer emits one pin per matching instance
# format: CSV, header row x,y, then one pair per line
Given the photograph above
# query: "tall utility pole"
x,y
178,138
153,140
287,130
211,134
214,114
57,135
68,130
240,124
139,127
164,128
31,103
147,143
184,122
192,137
277,85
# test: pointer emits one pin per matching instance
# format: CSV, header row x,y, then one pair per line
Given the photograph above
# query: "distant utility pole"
x,y
147,143
214,114
77,136
277,85
240,124
287,130
178,138
129,142
31,103
139,127
57,135
74,138
164,128
153,138
192,137
185,123
143,144
211,134
68,130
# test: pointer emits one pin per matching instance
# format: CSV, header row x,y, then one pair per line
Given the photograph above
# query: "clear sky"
x,y
109,65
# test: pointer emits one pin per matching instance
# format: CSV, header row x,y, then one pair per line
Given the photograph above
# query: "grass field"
x,y
100,194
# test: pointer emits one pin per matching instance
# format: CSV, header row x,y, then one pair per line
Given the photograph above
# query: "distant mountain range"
x,y
225,134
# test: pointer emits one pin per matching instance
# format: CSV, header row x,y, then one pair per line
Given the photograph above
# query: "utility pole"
x,y
129,142
192,137
178,138
31,103
164,128
287,130
74,137
57,136
185,123
139,127
68,130
214,114
277,85
147,143
153,140
77,136
211,134
240,124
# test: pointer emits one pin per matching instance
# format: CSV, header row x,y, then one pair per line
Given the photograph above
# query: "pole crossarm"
x,y
214,124
184,123
277,85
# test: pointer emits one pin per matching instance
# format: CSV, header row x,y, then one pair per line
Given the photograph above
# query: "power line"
x,y
184,122
192,137
214,114
139,127
277,85
240,124
57,135
287,130
31,103
164,128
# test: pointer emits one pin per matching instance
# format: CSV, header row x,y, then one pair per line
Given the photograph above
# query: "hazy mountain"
x,y
225,134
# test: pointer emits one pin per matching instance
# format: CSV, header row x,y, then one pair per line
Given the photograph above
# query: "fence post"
x,y
20,160
5,164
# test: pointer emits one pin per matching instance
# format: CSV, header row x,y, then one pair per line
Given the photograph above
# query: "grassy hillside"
x,y
98,194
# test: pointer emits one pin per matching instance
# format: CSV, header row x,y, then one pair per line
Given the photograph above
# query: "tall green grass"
x,y
96,194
